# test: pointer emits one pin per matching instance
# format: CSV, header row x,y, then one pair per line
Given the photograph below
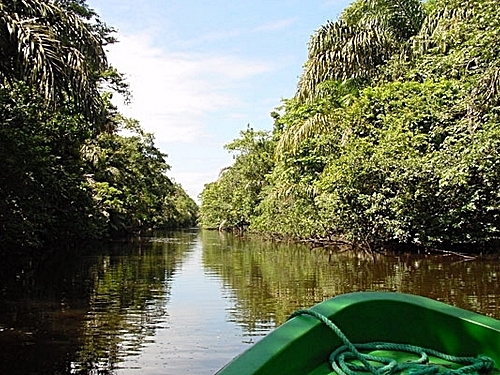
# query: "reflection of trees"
x,y
272,280
472,285
128,303
81,314
42,301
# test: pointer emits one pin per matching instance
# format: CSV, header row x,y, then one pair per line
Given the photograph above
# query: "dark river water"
x,y
188,302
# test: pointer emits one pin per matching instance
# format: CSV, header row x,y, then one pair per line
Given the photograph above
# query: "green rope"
x,y
341,357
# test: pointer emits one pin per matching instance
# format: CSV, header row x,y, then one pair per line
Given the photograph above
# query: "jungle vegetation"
x,y
392,138
68,172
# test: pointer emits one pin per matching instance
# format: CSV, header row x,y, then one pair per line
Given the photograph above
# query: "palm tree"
x,y
366,35
331,98
347,55
54,50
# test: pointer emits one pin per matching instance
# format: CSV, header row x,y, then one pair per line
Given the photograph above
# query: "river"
x,y
187,302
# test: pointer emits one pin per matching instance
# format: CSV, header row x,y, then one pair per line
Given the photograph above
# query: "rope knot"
x,y
487,363
341,359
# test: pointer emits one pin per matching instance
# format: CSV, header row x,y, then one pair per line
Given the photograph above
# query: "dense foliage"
x,y
393,136
68,172
232,200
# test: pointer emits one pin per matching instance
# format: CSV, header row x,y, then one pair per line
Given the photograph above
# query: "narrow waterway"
x,y
188,302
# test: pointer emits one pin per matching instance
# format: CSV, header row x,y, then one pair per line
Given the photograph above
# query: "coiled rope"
x,y
341,359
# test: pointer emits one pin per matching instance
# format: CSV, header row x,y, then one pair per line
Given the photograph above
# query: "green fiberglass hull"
x,y
303,344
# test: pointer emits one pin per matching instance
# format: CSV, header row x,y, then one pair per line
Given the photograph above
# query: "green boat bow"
x,y
304,344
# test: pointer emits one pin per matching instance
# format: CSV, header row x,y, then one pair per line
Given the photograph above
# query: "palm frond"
x,y
290,192
404,17
294,136
53,50
485,95
436,25
356,53
355,46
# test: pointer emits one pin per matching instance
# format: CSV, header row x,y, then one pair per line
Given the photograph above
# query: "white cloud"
x,y
218,36
194,182
172,92
276,25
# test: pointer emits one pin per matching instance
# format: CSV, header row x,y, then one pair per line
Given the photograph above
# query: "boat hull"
x,y
303,344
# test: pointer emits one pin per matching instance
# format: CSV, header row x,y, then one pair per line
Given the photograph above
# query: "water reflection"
x,y
41,305
83,314
128,303
189,302
273,280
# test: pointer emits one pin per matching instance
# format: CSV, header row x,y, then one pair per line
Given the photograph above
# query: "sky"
x,y
201,71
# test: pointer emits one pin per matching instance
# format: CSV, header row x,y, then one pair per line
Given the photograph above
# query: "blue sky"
x,y
201,70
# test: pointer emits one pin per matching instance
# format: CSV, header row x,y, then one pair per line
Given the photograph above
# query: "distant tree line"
x,y
67,171
393,137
